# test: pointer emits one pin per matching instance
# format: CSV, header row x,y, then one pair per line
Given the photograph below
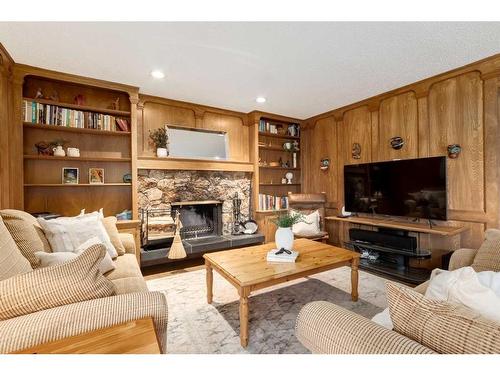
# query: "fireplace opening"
x,y
200,219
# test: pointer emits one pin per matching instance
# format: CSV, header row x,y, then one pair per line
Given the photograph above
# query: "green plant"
x,y
288,219
159,137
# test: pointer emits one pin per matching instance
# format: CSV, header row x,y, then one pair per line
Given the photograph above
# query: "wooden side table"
x,y
135,337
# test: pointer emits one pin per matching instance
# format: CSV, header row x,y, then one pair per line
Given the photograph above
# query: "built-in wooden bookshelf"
x,y
111,149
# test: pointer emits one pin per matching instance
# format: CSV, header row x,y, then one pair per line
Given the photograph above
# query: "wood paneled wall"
x,y
10,193
461,106
155,112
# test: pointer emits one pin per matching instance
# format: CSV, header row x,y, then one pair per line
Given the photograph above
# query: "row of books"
x,y
49,114
265,126
271,202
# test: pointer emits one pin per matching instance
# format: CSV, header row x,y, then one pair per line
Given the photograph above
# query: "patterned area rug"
x,y
196,327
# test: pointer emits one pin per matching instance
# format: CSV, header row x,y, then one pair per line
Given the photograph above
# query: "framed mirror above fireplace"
x,y
197,143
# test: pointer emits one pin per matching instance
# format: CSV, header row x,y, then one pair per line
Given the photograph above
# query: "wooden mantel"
x,y
186,164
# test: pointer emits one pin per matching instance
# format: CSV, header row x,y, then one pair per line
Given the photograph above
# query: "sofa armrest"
x,y
462,258
128,242
323,327
43,326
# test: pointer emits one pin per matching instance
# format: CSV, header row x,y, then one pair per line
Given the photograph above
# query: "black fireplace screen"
x,y
198,218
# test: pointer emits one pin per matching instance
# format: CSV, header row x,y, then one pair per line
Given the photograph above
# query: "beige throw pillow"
x,y
27,234
12,261
441,326
309,227
488,255
110,226
44,288
68,233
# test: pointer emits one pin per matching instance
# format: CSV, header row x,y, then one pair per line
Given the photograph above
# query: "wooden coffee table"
x,y
248,270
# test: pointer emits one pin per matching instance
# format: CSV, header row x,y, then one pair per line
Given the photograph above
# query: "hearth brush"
x,y
177,250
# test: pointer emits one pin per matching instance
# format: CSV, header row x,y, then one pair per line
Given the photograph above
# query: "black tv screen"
x,y
413,188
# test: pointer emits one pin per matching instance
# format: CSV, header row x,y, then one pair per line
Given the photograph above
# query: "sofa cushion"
x,y
12,261
126,266
67,233
441,326
44,288
129,285
110,226
309,227
27,233
488,255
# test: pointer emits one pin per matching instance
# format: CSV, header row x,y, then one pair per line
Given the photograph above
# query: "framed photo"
x,y
96,175
70,175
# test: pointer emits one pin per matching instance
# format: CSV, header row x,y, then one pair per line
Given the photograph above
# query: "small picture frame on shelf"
x,y
70,176
96,175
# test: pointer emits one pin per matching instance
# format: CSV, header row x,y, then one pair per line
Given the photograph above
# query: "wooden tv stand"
x,y
439,230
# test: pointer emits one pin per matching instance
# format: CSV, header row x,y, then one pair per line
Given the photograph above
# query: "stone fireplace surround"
x,y
157,188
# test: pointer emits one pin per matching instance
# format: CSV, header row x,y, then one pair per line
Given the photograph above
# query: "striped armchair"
x,y
323,327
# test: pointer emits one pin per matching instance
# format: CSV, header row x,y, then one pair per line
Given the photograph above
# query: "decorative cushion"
x,y
68,233
110,226
309,227
12,261
441,326
52,259
488,255
44,288
27,234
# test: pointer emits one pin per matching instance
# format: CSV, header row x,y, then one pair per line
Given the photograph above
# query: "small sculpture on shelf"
x,y
43,148
54,96
356,151
289,177
79,99
115,104
39,93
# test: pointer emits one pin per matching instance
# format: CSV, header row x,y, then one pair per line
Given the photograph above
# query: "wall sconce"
x,y
324,164
397,143
356,151
454,150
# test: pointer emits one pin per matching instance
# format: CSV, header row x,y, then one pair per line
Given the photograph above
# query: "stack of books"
x,y
267,127
270,202
276,255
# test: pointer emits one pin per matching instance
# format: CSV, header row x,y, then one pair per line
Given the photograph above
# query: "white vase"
x,y
284,238
161,152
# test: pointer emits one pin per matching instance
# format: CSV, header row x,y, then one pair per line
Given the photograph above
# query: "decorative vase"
x,y
59,151
161,152
284,238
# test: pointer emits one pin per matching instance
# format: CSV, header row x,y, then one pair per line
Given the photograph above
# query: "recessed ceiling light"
x,y
260,99
158,74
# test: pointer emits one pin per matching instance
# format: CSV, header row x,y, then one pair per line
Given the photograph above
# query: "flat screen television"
x,y
412,188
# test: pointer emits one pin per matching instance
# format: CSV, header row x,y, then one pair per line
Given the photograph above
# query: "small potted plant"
x,y
284,235
159,137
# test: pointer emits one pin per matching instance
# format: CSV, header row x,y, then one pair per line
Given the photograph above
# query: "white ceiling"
x,y
302,68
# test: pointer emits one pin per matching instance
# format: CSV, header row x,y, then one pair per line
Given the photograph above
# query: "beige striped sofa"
x,y
131,301
326,328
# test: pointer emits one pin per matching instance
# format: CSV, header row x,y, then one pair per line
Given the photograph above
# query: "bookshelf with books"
x,y
93,121
276,155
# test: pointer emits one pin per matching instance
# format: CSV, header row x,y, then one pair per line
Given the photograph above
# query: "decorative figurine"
x,y
289,176
454,150
116,104
79,99
324,164
54,96
397,143
356,151
43,148
39,93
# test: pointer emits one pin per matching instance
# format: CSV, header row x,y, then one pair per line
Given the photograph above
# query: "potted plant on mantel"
x,y
284,235
159,138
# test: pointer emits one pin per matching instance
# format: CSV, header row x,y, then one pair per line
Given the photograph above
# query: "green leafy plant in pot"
x,y
159,138
284,235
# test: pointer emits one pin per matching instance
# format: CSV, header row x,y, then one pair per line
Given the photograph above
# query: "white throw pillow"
x,y
53,259
308,228
462,286
68,233
384,319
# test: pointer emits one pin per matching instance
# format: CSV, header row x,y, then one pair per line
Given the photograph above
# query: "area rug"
x,y
197,327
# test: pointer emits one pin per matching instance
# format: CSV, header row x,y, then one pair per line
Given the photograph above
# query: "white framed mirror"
x,y
196,143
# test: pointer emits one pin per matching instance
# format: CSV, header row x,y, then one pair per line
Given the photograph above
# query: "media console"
x,y
389,249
